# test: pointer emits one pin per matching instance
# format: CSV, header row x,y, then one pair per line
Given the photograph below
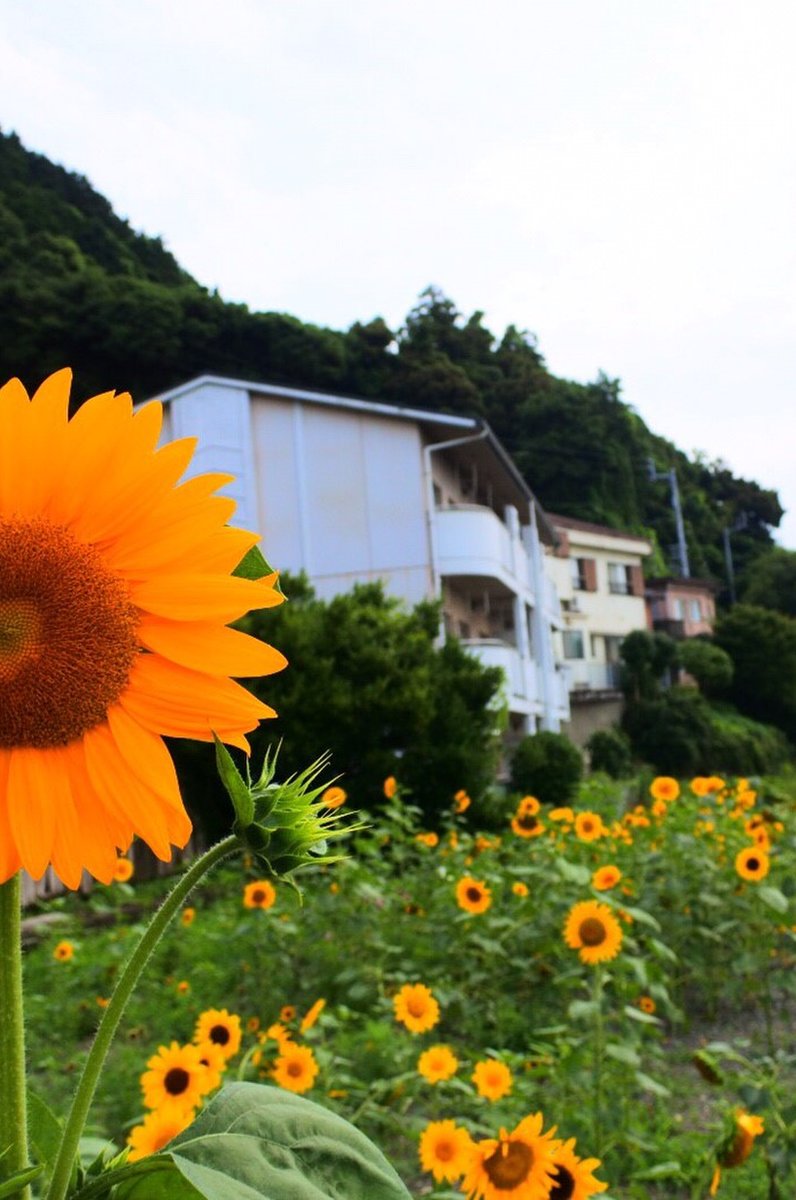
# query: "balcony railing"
x,y
472,540
521,676
590,676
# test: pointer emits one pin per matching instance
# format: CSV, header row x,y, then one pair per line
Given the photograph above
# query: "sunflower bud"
x,y
287,825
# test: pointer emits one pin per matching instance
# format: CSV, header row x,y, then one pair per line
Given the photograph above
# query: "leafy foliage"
x,y
762,646
772,584
609,751
709,665
547,765
368,684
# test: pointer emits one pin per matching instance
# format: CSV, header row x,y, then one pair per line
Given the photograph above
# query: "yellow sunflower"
x,y
514,1166
519,888
492,1079
188,915
311,1015
278,1034
122,870
589,826
437,1064
220,1027
176,1075
461,802
747,1128
663,787
593,929
212,1059
529,806
752,863
63,952
287,1012
563,813
526,824
605,878
416,1007
333,797
259,894
390,786
473,895
445,1149
574,1179
295,1068
156,1130
646,1004
115,596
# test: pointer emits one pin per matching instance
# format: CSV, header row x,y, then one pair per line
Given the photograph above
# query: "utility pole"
x,y
738,524
682,548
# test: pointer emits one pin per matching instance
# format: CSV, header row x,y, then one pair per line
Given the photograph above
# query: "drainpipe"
x,y
427,452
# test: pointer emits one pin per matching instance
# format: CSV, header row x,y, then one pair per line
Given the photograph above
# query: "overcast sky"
x,y
617,176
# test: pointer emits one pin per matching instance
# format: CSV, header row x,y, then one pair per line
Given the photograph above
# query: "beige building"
x,y
599,578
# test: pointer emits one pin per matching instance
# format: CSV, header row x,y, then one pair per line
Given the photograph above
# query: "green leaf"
x,y
573,872
237,789
255,1142
664,1170
623,1053
44,1130
579,1009
254,565
638,1015
651,1085
14,1185
774,898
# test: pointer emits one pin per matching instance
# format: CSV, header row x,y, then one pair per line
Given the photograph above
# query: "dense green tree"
x,y
548,766
709,665
771,583
367,682
646,659
762,646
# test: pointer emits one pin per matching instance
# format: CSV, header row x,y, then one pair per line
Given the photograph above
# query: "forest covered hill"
x,y
79,286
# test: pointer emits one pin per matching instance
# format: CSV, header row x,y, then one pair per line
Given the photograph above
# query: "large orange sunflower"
x,y
115,596
593,929
445,1149
515,1166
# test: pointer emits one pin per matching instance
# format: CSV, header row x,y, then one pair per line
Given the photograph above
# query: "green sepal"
x,y
16,1182
255,566
237,789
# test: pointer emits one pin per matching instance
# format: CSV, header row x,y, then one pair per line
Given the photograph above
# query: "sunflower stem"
x,y
13,1109
597,1064
75,1122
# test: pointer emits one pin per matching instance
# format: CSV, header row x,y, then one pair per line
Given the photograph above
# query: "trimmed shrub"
x,y
709,665
609,751
547,765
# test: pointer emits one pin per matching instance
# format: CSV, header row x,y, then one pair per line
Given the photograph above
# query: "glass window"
x,y
578,574
696,610
618,579
679,609
573,643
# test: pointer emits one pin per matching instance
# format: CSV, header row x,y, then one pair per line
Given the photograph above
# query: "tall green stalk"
x,y
87,1086
13,1109
597,1060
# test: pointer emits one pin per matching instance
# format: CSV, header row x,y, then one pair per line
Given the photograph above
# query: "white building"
x,y
599,578
352,490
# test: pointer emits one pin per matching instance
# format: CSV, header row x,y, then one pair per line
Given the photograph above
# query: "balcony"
x,y
593,677
520,674
471,540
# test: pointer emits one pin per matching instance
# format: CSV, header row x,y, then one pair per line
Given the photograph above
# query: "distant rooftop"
x,y
592,527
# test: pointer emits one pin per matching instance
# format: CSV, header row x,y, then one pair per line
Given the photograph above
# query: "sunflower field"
x,y
589,1000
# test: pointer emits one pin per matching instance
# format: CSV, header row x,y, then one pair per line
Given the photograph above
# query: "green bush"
x,y
547,765
609,751
709,665
672,732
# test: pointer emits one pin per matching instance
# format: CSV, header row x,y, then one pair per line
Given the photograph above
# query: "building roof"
x,y
592,527
440,427
661,584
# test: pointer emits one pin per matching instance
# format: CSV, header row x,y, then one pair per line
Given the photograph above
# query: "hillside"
x,y
79,286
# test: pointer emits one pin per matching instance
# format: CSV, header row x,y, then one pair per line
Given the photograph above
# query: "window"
x,y
578,573
696,610
679,609
619,579
573,643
